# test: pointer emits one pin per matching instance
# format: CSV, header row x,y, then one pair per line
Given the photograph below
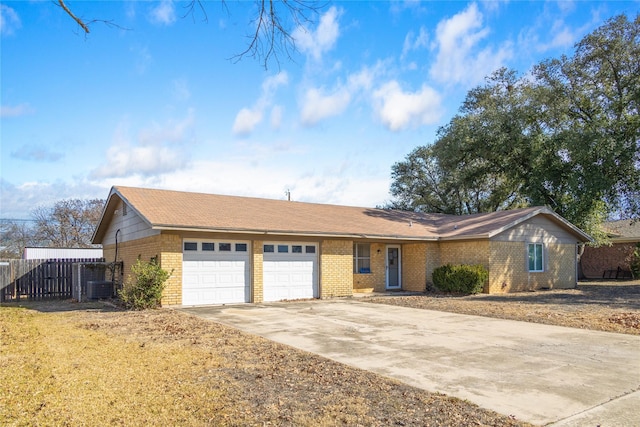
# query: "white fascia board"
x,y
289,233
546,211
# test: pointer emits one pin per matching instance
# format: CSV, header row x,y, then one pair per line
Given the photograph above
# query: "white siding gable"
x,y
131,226
538,229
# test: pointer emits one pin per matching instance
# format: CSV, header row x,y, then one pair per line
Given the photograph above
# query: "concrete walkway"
x,y
538,373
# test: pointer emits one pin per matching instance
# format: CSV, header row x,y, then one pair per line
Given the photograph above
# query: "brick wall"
x,y
257,276
433,259
374,281
509,270
508,267
168,249
414,267
336,268
465,252
171,260
595,261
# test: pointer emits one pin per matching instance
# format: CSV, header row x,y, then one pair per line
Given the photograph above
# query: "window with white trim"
x,y
361,258
536,256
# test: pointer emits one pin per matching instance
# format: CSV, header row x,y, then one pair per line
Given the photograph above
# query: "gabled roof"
x,y
624,230
183,211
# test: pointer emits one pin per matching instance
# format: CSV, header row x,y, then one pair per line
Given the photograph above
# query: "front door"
x,y
393,267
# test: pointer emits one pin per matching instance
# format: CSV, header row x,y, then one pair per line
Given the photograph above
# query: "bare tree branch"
x,y
272,26
74,17
86,24
271,36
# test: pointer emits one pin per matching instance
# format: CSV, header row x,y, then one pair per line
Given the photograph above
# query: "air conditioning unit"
x,y
97,289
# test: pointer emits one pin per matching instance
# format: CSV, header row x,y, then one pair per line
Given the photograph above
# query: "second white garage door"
x,y
290,271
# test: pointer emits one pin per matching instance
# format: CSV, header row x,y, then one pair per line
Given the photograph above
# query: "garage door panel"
x,y
289,276
210,277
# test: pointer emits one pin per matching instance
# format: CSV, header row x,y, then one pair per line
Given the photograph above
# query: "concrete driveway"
x,y
538,373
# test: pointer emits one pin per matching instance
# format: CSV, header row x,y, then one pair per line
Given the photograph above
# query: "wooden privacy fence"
x,y
37,279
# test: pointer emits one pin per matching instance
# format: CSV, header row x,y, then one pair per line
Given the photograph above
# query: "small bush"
x,y
463,279
144,288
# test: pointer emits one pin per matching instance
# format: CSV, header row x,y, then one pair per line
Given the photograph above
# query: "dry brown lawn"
x,y
601,306
64,363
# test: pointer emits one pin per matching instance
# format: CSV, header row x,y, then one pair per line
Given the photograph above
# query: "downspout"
x,y
115,260
580,247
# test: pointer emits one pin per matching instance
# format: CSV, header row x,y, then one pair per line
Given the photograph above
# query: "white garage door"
x,y
215,272
290,271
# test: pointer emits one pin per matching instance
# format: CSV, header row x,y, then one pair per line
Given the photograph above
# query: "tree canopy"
x,y
67,224
566,135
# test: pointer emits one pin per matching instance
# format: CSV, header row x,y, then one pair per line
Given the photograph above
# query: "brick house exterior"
x,y
222,249
616,258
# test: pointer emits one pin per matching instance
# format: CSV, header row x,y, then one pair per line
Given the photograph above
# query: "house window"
x,y
224,247
268,248
361,258
190,246
283,249
241,247
208,246
310,249
296,249
535,257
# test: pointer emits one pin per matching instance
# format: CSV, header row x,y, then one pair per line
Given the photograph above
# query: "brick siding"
x,y
509,270
257,276
414,267
168,249
336,267
595,261
465,252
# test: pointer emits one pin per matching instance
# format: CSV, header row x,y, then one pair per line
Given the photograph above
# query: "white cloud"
x,y
551,32
246,121
36,153
142,58
173,131
315,43
158,149
248,118
164,13
341,185
9,20
399,110
180,90
18,201
276,117
413,42
15,110
459,58
317,106
124,161
362,80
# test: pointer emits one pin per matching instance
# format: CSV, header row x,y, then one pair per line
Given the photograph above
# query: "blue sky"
x,y
160,104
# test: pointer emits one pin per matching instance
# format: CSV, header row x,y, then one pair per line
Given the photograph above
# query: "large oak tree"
x,y
567,135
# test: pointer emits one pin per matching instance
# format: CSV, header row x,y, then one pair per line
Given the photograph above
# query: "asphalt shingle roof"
x,y
211,212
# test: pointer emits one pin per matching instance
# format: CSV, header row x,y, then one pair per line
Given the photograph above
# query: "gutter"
x,y
291,233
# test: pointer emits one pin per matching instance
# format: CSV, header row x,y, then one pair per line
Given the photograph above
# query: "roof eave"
x,y
109,208
544,211
165,227
465,237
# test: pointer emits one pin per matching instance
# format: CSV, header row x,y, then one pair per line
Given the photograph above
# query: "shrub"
x,y
144,287
464,279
